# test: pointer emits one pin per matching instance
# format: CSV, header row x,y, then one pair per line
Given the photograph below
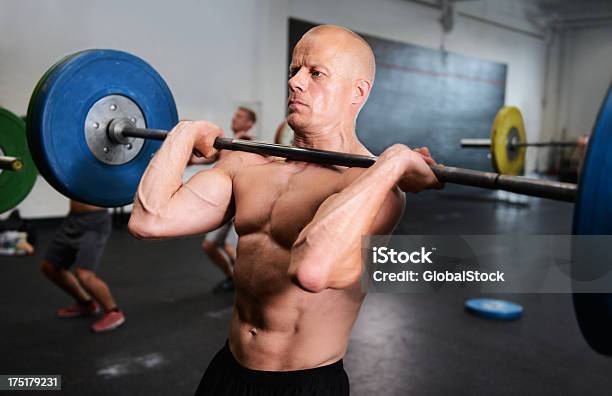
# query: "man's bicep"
x,y
202,204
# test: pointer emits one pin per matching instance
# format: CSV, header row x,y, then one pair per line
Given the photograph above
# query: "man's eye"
x,y
316,74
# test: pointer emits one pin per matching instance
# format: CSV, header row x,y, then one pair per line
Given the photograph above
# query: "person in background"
x,y
71,263
17,237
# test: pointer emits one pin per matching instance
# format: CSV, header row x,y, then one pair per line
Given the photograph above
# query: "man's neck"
x,y
335,138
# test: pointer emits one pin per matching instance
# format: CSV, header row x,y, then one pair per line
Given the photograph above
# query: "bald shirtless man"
x,y
300,225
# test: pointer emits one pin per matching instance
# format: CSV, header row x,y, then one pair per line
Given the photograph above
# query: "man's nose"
x,y
298,81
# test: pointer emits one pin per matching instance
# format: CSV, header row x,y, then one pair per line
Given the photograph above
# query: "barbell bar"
x,y
123,128
513,144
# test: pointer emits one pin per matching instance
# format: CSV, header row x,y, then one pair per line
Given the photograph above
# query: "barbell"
x,y
508,142
17,170
97,117
119,131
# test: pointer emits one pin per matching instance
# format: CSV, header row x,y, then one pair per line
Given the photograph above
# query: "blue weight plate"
x,y
494,309
56,120
593,216
33,143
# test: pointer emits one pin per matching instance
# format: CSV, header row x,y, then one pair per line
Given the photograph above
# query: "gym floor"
x,y
401,344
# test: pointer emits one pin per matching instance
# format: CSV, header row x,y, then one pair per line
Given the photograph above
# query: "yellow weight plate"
x,y
508,128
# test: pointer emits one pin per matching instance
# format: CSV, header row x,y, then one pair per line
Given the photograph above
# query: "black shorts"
x,y
80,240
225,376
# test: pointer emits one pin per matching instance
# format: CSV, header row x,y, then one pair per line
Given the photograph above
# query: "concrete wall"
x,y
215,55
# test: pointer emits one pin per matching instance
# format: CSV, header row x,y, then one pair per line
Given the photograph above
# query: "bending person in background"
x,y
72,260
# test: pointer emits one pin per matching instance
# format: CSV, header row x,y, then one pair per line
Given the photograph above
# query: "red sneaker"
x,y
109,321
76,310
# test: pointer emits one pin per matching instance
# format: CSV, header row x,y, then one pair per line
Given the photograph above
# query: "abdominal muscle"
x,y
277,326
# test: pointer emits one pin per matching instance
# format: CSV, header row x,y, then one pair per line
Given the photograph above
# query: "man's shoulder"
x,y
236,160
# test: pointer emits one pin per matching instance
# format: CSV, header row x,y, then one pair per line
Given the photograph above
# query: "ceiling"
x,y
544,14
568,13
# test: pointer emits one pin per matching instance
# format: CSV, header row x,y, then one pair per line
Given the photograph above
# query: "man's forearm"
x,y
327,251
164,175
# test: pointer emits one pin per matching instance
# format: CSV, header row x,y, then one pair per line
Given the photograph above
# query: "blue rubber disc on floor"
x,y
494,309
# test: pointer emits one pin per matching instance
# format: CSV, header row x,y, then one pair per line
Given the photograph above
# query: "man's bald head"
x,y
332,72
352,45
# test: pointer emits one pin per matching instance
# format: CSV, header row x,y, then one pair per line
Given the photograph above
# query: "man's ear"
x,y
361,91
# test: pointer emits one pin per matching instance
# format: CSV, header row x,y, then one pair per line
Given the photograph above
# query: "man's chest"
x,y
281,199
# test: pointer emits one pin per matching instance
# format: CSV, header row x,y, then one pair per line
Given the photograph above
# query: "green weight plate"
x,y
14,186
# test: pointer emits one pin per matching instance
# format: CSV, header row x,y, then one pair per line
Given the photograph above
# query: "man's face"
x,y
241,121
320,86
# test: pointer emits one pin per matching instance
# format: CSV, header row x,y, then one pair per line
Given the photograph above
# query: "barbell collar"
x,y
116,128
128,130
10,163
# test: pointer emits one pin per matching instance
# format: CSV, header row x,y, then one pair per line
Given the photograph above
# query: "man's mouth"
x,y
296,102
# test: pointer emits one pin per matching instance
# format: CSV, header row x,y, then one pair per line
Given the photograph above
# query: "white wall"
x,y
586,75
216,54
580,72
